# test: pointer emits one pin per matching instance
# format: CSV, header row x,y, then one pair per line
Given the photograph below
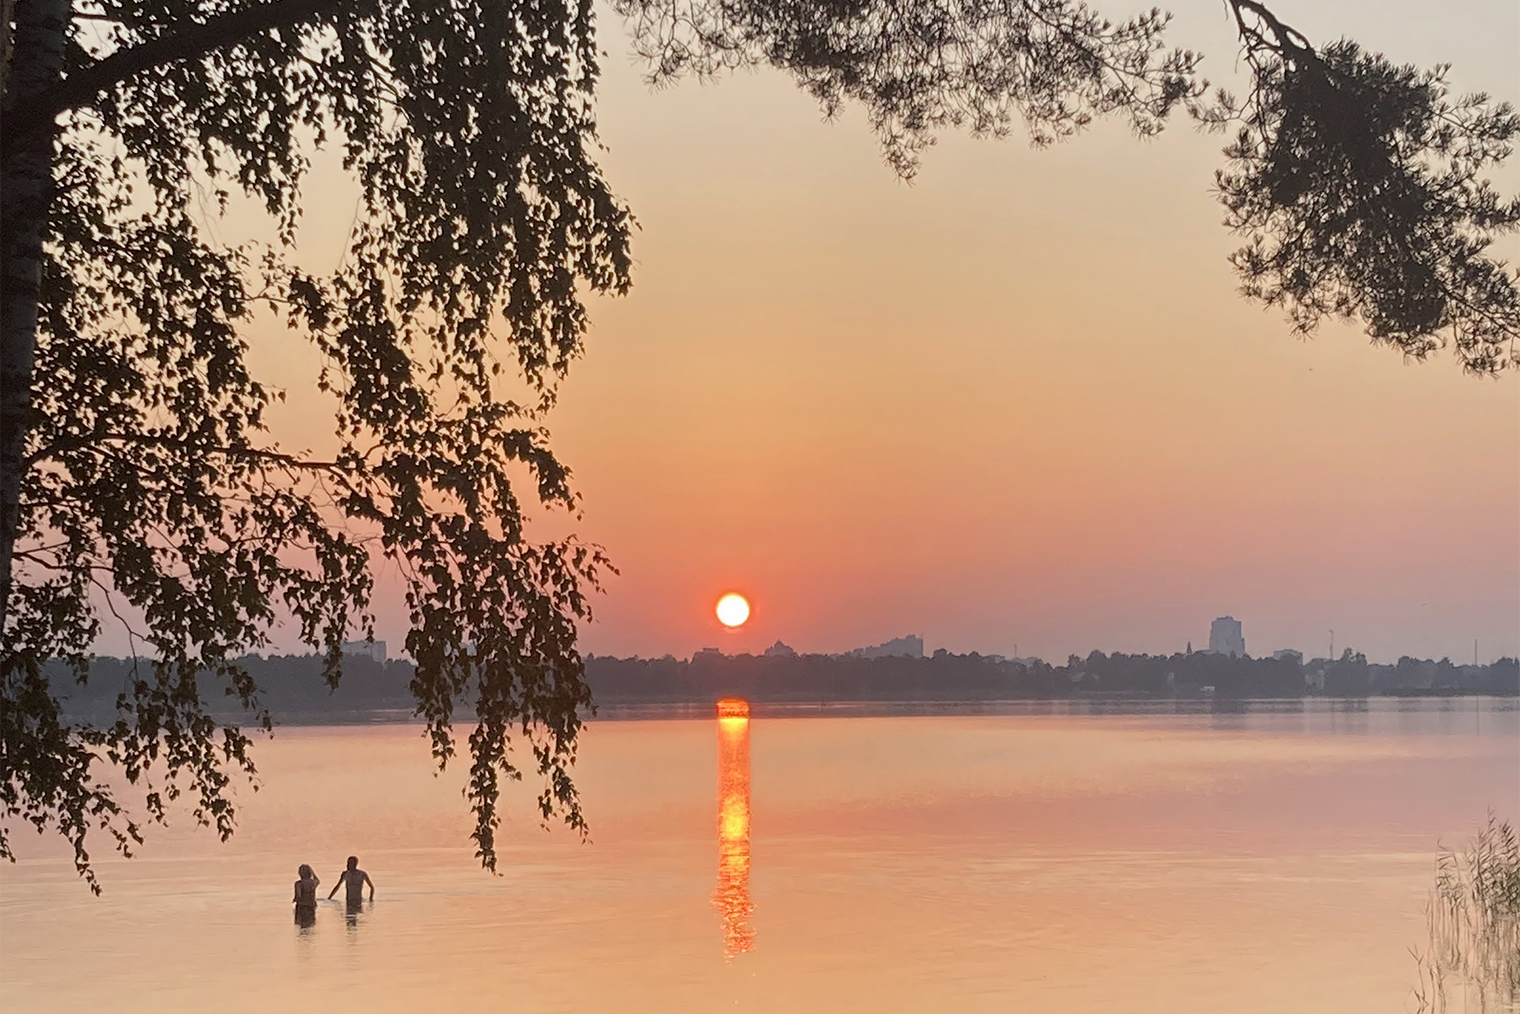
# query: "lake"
x,y
1272,859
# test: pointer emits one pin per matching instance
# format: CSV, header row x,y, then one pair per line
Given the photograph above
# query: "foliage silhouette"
x,y
136,471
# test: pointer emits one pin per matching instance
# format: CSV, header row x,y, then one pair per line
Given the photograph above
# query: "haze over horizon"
x,y
1017,402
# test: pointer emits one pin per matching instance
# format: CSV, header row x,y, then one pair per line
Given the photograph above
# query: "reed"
x,y
1473,915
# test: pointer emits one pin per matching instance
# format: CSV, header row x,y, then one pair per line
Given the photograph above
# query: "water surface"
x,y
1262,860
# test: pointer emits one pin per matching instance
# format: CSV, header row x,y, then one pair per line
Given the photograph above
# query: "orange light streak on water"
x,y
731,896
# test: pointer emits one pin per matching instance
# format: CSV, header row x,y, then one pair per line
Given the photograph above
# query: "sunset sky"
x,y
1015,405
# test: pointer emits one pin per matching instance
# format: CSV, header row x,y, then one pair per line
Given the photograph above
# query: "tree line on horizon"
x,y
292,686
972,675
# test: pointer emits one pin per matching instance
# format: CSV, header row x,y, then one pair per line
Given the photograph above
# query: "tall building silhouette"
x,y
731,896
910,646
1226,637
367,649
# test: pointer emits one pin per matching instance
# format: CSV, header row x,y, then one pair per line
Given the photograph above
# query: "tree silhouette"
x,y
135,466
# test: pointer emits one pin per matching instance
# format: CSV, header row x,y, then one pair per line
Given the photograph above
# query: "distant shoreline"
x,y
625,711
295,691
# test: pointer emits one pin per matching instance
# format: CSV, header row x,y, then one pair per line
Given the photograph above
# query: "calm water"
x,y
1250,862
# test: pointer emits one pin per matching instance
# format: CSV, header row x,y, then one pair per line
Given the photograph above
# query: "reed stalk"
x,y
1472,963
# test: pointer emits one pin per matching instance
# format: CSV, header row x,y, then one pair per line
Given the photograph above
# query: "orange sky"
x,y
1017,403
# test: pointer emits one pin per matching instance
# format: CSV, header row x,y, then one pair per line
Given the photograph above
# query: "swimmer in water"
x,y
305,898
355,880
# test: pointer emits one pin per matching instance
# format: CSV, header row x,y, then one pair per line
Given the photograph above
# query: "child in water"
x,y
306,895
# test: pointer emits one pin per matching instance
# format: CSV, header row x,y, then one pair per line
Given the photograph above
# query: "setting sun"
x,y
733,610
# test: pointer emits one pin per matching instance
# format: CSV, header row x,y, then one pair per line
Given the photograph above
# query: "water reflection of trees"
x,y
731,896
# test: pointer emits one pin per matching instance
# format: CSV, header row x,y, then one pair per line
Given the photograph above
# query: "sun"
x,y
733,610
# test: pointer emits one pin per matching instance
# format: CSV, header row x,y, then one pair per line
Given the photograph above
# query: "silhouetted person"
x,y
305,898
354,879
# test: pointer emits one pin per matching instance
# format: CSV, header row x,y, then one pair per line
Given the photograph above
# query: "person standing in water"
x,y
354,879
306,896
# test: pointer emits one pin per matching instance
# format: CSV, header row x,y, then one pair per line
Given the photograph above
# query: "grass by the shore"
x,y
1473,959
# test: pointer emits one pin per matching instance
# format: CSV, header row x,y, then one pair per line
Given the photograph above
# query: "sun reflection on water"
x,y
731,896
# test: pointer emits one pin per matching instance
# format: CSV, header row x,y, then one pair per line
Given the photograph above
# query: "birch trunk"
x,y
26,188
